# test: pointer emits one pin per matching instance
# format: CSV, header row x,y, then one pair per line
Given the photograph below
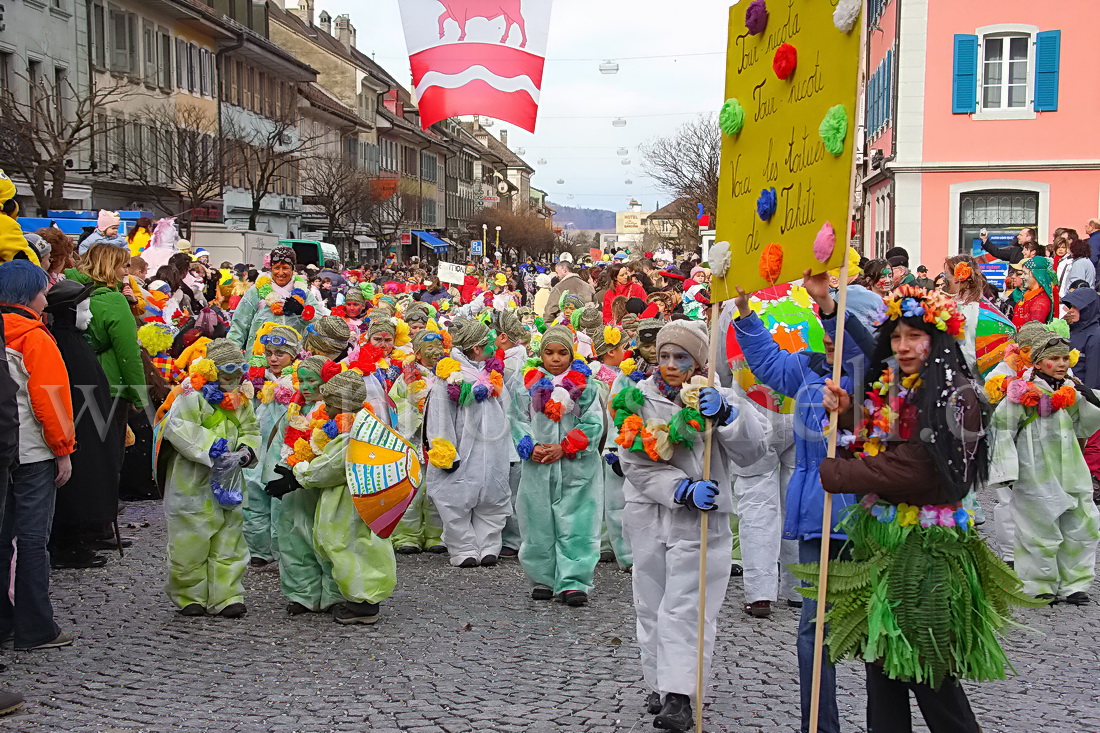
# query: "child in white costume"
x,y
665,493
466,426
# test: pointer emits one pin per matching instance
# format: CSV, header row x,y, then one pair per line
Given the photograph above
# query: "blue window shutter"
x,y
889,99
873,124
964,85
1047,51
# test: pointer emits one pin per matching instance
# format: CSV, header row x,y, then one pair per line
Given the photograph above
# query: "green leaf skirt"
x,y
925,602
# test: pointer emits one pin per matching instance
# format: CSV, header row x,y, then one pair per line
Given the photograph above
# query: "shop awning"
x,y
436,243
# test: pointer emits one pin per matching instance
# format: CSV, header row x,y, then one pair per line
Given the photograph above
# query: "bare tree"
x,y
382,210
341,190
183,162
686,164
265,152
42,135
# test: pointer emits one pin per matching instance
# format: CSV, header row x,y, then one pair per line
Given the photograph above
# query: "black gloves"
x,y
293,307
283,485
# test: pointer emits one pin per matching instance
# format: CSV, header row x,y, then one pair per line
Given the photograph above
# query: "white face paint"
x,y
83,314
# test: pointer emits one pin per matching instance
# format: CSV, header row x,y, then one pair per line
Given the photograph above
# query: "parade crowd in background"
x,y
560,411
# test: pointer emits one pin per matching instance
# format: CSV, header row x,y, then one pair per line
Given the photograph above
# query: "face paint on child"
x,y
1056,367
676,365
277,361
354,310
383,341
309,384
430,354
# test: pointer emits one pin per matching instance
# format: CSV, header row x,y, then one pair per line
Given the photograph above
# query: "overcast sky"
x,y
574,133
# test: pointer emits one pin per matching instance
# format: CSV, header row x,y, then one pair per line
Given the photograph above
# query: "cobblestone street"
x,y
456,650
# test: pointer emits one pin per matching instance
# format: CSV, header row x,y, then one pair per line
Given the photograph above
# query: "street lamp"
x,y
542,161
561,181
626,161
618,122
609,67
622,151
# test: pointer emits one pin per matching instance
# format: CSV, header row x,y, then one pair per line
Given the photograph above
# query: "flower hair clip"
x,y
962,272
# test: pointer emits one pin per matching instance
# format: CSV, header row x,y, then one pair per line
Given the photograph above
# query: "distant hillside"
x,y
589,219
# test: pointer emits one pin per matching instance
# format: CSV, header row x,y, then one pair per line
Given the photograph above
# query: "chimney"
x,y
504,138
345,31
325,22
304,10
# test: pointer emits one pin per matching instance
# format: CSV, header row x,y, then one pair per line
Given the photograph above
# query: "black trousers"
x,y
945,710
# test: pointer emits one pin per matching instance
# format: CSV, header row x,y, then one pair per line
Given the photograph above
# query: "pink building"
x,y
978,114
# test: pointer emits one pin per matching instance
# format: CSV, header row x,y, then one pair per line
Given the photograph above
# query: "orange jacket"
x,y
37,368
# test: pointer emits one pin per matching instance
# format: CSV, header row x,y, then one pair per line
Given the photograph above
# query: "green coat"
x,y
112,335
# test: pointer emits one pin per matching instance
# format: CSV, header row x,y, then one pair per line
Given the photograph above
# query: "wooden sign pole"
x,y
838,362
704,526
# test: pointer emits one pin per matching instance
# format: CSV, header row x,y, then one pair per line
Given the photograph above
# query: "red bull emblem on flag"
x,y
477,57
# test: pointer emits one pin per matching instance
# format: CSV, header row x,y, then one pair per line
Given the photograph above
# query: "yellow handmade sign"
x,y
788,127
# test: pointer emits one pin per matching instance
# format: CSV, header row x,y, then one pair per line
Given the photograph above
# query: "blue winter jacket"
x,y
802,376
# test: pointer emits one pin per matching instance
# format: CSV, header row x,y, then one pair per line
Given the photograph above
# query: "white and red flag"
x,y
477,57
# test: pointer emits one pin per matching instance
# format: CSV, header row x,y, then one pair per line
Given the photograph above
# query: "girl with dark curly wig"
x,y
923,598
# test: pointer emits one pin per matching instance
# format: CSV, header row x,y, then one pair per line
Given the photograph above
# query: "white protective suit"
x,y
474,499
664,539
515,359
760,493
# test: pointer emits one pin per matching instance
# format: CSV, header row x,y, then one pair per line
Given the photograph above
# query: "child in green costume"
x,y
421,528
1042,416
302,576
557,423
272,377
360,562
212,430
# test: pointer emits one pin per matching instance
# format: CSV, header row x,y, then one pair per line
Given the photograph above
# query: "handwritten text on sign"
x,y
780,144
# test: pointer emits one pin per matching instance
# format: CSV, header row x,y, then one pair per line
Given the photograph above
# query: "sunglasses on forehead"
x,y
233,368
1055,341
269,340
433,337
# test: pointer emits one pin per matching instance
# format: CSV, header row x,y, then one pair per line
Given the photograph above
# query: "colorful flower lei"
x,y
906,515
933,306
305,438
281,390
489,383
655,438
266,290
554,401
883,411
1027,393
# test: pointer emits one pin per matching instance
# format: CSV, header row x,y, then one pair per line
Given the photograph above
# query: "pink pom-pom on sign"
x,y
825,243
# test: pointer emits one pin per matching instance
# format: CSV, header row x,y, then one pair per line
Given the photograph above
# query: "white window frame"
x,y
149,53
1003,30
165,68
